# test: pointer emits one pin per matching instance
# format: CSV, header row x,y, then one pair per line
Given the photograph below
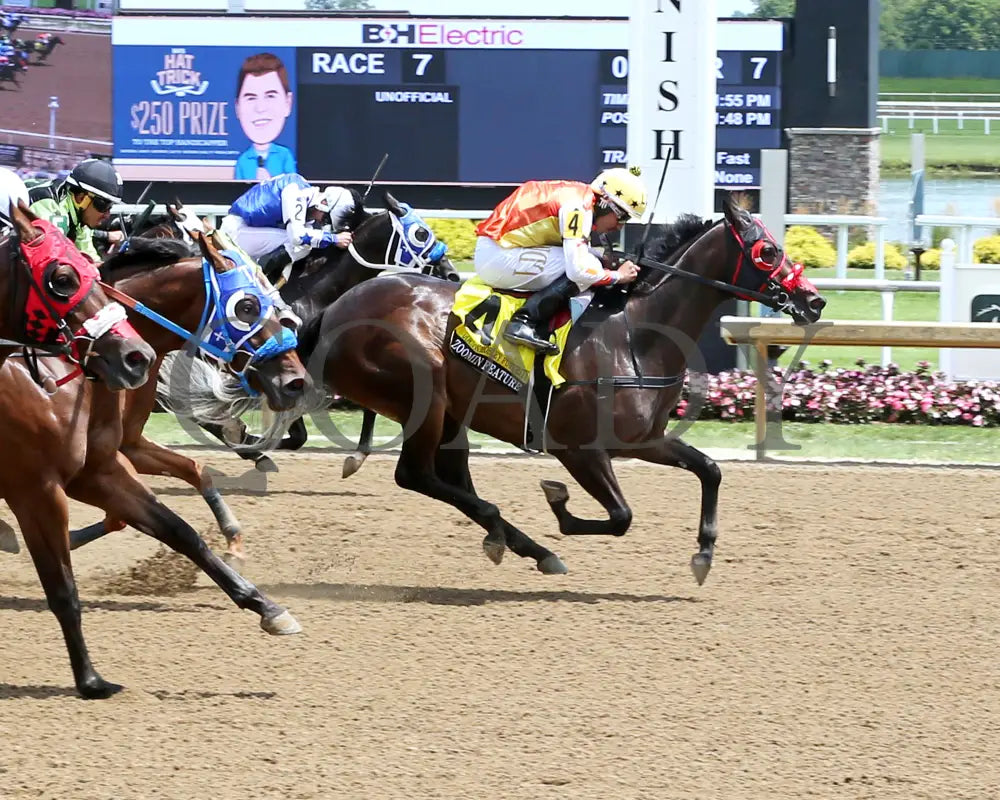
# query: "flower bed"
x,y
854,396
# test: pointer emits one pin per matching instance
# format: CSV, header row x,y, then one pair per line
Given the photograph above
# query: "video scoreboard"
x,y
453,101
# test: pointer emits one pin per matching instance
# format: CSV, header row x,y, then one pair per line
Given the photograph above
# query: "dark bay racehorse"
x,y
394,240
44,45
384,345
66,445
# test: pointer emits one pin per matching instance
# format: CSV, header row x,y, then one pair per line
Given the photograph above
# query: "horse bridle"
x,y
777,291
396,240
211,327
67,343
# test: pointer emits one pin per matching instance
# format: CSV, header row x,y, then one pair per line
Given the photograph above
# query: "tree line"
x,y
922,24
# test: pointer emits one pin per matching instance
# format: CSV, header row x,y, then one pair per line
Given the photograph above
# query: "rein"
x,y
777,297
205,331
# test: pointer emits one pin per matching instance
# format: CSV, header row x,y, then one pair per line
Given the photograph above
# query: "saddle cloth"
x,y
483,312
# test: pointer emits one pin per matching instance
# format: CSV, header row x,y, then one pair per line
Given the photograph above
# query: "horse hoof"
x,y
8,539
265,464
555,492
700,565
96,688
494,550
352,464
233,560
284,624
552,565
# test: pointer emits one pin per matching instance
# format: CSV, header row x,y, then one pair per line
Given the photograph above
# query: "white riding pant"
x,y
257,242
526,269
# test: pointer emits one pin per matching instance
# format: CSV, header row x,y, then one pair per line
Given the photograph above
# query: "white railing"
x,y
215,212
10,134
962,227
936,111
60,22
843,223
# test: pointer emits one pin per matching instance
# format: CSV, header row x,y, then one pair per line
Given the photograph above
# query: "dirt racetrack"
x,y
844,646
78,72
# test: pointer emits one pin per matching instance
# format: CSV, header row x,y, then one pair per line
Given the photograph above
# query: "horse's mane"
x,y
665,247
686,228
146,254
358,214
153,221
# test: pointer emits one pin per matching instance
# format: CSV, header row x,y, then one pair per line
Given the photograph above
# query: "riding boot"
x,y
273,263
529,325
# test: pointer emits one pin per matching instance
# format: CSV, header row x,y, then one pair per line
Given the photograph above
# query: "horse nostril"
x,y
817,304
296,386
136,358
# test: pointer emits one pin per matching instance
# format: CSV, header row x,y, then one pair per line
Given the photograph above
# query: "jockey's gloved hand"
x,y
326,239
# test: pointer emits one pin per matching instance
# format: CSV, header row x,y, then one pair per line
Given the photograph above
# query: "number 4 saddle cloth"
x,y
482,313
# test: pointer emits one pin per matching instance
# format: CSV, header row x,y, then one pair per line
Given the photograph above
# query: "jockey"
x,y
272,219
537,240
12,190
80,203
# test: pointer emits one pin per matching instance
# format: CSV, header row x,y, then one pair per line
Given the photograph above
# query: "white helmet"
x,y
327,199
12,189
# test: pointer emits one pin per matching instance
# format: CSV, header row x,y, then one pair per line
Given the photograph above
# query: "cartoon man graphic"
x,y
263,103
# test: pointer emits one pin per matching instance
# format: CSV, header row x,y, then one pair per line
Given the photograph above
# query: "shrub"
x,y
863,257
986,250
808,246
458,234
938,235
931,259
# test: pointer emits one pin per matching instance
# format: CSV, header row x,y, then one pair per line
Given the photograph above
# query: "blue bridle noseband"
x,y
223,332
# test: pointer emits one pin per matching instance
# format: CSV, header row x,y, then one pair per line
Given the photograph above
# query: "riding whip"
x,y
371,183
649,222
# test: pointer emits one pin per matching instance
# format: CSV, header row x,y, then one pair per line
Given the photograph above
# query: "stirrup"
x,y
522,333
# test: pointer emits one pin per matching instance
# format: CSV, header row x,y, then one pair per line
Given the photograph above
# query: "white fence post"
x,y
946,305
842,250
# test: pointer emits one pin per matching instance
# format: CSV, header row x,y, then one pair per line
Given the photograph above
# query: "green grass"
x,y
871,442
944,85
908,306
951,149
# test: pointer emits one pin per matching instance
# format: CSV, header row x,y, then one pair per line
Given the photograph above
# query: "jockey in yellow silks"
x,y
538,240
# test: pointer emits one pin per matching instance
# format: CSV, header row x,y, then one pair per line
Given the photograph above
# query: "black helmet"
x,y
97,177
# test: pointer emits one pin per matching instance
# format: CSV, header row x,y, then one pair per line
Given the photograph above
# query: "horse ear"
x,y
736,215
213,256
393,205
22,217
173,212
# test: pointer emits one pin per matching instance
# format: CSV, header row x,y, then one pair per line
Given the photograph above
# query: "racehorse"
x,y
176,290
394,240
385,346
44,45
66,444
9,68
50,299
